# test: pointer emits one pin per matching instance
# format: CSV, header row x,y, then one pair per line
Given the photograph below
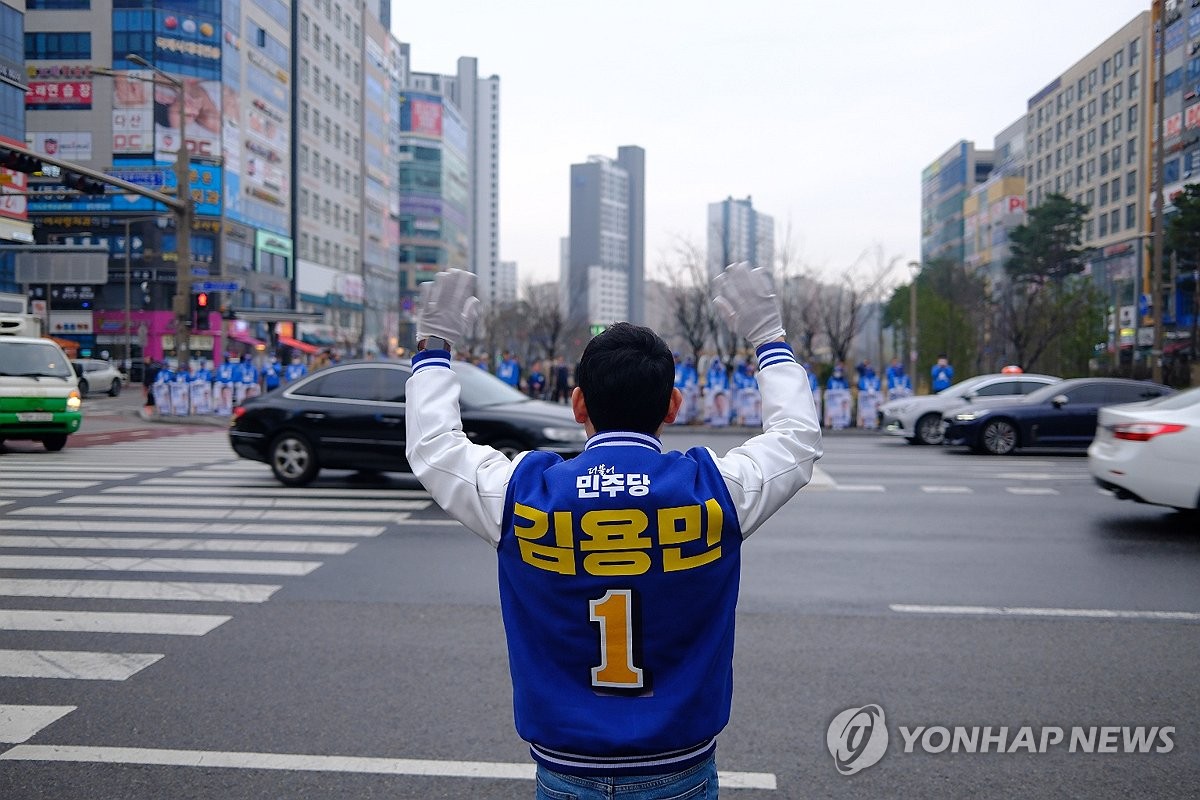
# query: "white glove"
x,y
746,299
448,306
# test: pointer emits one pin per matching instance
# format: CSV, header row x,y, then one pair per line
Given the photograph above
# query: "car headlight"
x,y
968,416
73,401
565,434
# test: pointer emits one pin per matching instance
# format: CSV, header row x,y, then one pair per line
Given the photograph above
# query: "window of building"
x,y
1079,174
1116,124
1130,216
1116,188
1091,109
1089,230
1134,49
58,45
1058,158
1104,194
1131,116
1118,61
1091,170
1091,197
57,5
1105,99
1103,165
1131,151
1082,87
1133,84
1091,139
1117,91
1070,94
1114,220
1103,133
1103,224
1105,70
1091,80
1130,183
304,201
1116,156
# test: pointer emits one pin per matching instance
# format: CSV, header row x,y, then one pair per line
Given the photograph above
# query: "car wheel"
x,y
509,448
54,443
83,387
929,429
293,460
115,389
999,437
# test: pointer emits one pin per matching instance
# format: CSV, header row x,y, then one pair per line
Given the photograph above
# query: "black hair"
x,y
626,375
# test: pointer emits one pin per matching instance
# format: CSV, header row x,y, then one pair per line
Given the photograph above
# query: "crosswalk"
x,y
162,523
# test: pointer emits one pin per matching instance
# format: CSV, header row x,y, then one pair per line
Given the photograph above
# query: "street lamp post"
x,y
1156,287
915,266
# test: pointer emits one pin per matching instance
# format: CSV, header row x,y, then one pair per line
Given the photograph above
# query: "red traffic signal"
x,y
202,300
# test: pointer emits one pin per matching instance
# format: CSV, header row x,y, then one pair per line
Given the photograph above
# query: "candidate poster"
x,y
837,408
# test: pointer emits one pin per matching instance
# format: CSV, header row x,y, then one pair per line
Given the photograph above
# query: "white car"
x,y
1150,451
97,375
919,418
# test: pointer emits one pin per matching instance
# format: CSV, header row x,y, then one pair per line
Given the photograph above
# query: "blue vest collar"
x,y
624,438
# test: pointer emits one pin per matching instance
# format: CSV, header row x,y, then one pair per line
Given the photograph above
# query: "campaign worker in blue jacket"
x,y
225,371
837,380
295,370
942,374
509,370
619,568
271,374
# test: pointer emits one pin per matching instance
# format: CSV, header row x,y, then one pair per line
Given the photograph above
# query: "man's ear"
x,y
579,406
673,406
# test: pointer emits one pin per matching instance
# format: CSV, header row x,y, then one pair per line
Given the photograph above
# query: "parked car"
x,y
39,398
1058,415
351,416
1150,451
97,375
919,419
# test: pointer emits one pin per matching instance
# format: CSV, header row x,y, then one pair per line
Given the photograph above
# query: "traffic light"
x,y
83,183
19,162
200,308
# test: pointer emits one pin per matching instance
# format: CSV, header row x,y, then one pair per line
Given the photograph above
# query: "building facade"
x,y
995,207
607,232
737,232
15,226
945,185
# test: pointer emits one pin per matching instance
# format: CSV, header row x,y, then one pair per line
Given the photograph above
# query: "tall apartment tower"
x,y
478,100
14,222
607,243
945,184
736,232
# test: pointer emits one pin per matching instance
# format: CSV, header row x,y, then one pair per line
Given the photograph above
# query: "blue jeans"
x,y
698,782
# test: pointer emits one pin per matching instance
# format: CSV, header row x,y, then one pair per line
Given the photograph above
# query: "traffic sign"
x,y
216,286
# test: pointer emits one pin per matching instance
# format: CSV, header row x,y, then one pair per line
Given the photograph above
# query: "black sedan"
x,y
351,416
1059,415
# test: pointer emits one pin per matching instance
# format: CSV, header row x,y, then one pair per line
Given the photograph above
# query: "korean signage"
x,y
67,145
12,186
59,95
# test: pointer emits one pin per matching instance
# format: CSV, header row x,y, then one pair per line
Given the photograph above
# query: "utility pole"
x,y
1156,287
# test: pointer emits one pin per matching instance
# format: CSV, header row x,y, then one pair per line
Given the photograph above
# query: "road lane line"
x,y
73,665
221,501
12,619
1019,611
229,529
196,545
213,565
947,490
196,591
14,483
271,489
1031,490
19,723
316,763
184,512
861,487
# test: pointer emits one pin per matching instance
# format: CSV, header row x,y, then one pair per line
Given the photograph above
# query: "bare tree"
x,y
691,311
545,320
841,306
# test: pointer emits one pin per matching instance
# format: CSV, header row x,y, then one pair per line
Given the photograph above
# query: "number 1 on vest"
x,y
614,613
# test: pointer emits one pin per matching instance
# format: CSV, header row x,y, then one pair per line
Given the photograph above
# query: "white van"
x,y
39,393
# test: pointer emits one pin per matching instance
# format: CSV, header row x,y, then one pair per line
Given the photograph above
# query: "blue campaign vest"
x,y
620,534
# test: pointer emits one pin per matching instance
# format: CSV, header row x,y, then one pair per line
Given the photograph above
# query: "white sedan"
x,y
919,419
1150,451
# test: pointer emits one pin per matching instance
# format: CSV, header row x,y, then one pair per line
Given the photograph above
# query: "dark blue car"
x,y
1059,415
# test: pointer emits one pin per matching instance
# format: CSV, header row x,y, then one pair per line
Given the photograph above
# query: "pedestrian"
x,y
942,374
271,374
149,373
562,381
509,370
619,568
295,370
898,383
537,381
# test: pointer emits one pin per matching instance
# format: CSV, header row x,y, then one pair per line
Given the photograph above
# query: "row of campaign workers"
x,y
839,408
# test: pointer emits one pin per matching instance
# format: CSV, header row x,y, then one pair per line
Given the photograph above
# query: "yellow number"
x,y
614,613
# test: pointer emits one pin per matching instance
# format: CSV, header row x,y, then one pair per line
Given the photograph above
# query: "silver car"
x,y
97,375
919,418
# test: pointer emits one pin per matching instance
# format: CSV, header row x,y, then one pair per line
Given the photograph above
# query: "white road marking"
x,y
239,529
109,622
183,512
208,498
1018,611
201,545
214,565
190,486
13,483
19,723
1031,490
140,590
75,473
316,763
861,487
947,490
427,522
7,492
73,664
88,469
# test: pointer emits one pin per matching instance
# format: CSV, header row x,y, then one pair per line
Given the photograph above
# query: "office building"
x,y
737,232
945,184
994,208
607,238
14,219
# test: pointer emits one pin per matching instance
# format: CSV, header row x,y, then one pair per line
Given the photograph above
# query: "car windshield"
x,y
481,388
33,359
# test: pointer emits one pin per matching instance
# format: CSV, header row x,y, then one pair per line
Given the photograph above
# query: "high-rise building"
x,y
945,184
995,207
505,290
14,221
737,232
607,238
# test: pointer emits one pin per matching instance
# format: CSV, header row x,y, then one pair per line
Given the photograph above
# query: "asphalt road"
x,y
949,589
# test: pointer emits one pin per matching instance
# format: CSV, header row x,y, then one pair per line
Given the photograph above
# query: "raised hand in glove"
x,y
746,299
448,307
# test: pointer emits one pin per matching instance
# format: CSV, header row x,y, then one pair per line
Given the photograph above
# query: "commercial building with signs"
x,y
737,232
88,102
14,219
945,185
995,207
606,246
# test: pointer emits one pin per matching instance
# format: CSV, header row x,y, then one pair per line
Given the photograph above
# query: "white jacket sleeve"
x,y
467,480
768,470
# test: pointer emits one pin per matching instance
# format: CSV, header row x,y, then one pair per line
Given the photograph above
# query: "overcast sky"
x,y
824,112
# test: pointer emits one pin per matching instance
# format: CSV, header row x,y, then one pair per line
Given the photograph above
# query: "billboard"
x,y
68,145
133,113
58,95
